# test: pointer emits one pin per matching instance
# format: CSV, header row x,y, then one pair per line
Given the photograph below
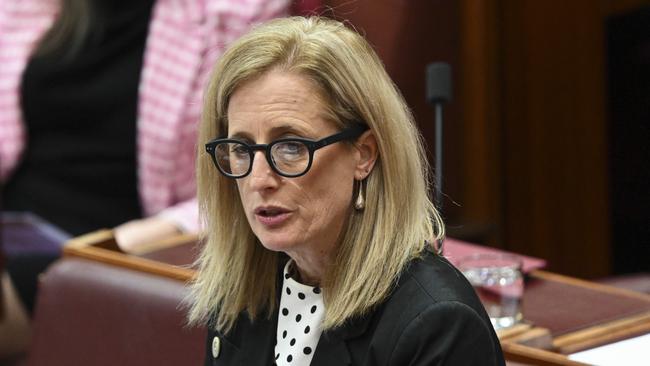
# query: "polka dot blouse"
x,y
299,322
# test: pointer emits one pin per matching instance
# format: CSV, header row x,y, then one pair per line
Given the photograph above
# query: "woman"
x,y
99,106
314,193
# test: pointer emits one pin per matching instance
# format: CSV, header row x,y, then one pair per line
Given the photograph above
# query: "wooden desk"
x,y
563,314
566,315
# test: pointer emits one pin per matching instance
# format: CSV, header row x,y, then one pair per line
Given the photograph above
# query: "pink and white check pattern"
x,y
185,38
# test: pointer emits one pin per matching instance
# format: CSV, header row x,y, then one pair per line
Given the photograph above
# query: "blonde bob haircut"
x,y
236,273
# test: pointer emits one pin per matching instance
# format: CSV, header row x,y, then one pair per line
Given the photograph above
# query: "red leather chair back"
x,y
90,313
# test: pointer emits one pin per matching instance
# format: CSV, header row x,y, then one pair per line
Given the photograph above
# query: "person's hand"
x,y
134,235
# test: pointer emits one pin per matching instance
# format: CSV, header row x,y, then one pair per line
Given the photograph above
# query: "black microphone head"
x,y
438,82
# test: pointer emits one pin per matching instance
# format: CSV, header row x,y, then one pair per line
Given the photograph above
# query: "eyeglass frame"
x,y
349,133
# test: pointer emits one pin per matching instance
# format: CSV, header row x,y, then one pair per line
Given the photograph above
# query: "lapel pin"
x,y
216,347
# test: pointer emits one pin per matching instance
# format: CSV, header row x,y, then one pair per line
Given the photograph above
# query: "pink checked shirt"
x,y
185,38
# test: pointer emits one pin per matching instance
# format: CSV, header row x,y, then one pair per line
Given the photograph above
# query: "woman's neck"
x,y
308,272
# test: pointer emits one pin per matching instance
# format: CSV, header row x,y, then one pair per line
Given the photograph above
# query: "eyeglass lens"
x,y
288,157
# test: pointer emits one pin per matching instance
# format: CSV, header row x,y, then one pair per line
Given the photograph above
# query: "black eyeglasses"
x,y
289,157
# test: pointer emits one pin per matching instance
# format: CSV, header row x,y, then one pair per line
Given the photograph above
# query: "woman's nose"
x,y
262,176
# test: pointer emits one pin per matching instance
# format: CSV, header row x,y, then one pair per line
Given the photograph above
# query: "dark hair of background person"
x,y
70,29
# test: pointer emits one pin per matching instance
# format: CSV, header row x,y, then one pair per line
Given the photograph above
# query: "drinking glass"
x,y
498,281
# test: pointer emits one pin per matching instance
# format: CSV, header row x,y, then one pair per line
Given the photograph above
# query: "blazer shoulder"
x,y
434,314
447,333
434,279
427,280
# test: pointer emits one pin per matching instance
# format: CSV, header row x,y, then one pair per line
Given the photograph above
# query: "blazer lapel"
x,y
258,339
332,347
331,350
258,342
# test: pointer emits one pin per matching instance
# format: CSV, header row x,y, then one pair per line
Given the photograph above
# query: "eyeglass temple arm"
x,y
349,133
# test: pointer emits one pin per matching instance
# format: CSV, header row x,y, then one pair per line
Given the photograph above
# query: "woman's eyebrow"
x,y
287,128
240,136
274,133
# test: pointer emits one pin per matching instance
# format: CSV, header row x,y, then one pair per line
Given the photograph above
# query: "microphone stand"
x,y
438,93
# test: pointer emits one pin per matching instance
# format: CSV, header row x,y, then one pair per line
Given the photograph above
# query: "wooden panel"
x,y
525,142
615,7
554,134
480,171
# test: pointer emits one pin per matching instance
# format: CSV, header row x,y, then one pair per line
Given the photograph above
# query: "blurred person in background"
x,y
99,106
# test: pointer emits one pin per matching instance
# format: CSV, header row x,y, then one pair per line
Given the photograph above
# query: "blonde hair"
x,y
236,273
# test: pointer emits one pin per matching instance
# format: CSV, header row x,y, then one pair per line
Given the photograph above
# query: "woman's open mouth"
x,y
272,216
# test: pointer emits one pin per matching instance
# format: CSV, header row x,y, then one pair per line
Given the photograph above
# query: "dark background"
x,y
547,136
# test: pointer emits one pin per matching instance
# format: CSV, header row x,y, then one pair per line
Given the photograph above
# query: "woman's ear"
x,y
366,144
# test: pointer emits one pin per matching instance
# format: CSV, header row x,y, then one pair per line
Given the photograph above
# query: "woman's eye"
x,y
290,151
239,150
292,148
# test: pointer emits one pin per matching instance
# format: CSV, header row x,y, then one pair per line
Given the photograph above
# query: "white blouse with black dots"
x,y
299,322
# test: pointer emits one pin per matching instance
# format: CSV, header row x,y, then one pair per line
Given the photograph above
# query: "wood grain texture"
x,y
100,246
481,169
603,334
532,356
525,139
556,204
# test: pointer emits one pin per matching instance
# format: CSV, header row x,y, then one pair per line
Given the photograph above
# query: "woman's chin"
x,y
276,243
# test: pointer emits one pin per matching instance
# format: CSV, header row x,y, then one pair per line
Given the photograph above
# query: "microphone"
x,y
438,83
438,93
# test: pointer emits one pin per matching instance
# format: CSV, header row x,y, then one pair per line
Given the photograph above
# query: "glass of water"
x,y
499,283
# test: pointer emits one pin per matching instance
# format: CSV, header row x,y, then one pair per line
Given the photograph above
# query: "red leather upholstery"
x,y
90,313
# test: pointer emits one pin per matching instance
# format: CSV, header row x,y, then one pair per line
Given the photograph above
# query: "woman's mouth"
x,y
271,216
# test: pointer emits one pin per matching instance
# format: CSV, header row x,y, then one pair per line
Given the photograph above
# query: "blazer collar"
x,y
258,342
257,345
332,346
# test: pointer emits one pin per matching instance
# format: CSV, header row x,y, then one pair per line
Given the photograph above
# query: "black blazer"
x,y
433,317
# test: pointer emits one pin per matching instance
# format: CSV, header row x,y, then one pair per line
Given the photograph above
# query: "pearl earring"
x,y
360,202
